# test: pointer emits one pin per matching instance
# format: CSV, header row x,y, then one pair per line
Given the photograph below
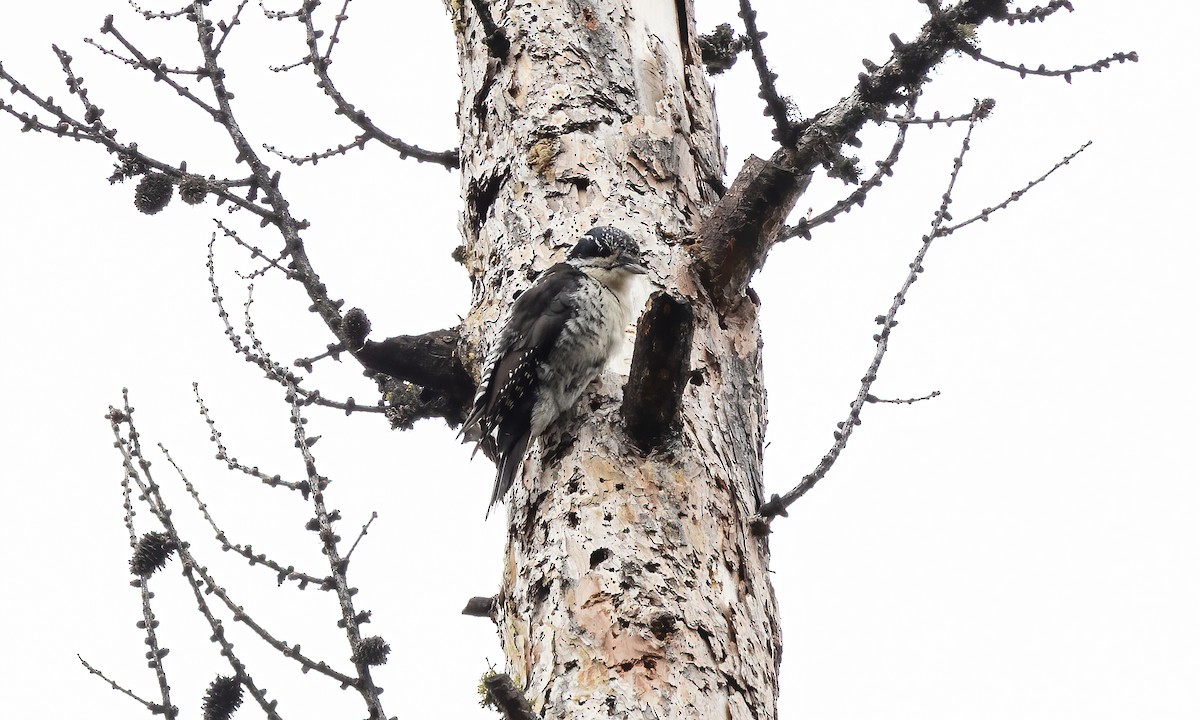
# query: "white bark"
x,y
632,585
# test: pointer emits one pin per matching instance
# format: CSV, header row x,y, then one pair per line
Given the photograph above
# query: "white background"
x,y
1025,546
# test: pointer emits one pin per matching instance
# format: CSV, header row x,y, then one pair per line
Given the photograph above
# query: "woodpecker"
x,y
560,335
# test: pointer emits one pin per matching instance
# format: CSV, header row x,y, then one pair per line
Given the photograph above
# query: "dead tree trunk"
x,y
633,586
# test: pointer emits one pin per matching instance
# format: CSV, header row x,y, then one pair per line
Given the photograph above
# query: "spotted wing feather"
x,y
506,396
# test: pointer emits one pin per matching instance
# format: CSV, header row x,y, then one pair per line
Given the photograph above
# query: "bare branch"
x,y
371,131
231,462
350,619
131,61
804,227
735,239
1037,14
113,684
778,108
1065,74
778,504
148,623
904,401
159,14
135,463
986,213
282,574
155,66
982,109
359,142
227,27
338,20
93,129
361,534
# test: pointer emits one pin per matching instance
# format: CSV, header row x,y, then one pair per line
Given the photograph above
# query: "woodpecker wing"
x,y
507,384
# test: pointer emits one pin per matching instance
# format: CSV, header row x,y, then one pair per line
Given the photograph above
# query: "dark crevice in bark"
x,y
481,198
659,372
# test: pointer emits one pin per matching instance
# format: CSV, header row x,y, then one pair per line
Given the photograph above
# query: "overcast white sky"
x,y
1025,546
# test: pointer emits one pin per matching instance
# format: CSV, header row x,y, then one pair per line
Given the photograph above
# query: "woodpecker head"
x,y
607,248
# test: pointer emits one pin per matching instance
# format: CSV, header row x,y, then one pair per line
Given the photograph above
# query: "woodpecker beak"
x,y
633,266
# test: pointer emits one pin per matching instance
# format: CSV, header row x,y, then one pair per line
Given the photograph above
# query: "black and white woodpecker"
x,y
561,334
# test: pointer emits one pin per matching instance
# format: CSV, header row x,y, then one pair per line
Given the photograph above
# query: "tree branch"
x,y
481,607
734,241
804,227
1037,14
778,108
1065,73
320,64
508,698
430,360
778,505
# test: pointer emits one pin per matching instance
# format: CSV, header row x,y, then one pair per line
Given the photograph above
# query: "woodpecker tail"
x,y
506,469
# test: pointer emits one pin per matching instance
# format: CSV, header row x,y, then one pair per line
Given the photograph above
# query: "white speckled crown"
x,y
604,241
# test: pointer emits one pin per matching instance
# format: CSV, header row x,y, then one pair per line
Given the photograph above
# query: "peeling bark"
x,y
633,586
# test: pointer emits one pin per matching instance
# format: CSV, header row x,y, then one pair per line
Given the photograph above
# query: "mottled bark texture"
x,y
632,586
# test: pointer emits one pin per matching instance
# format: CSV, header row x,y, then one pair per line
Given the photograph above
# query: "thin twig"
x,y
155,66
985,214
982,109
804,227
148,623
132,62
1065,74
778,504
227,28
159,14
338,19
254,251
201,581
148,705
338,566
361,534
273,370
320,65
1037,14
777,107
904,401
282,574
